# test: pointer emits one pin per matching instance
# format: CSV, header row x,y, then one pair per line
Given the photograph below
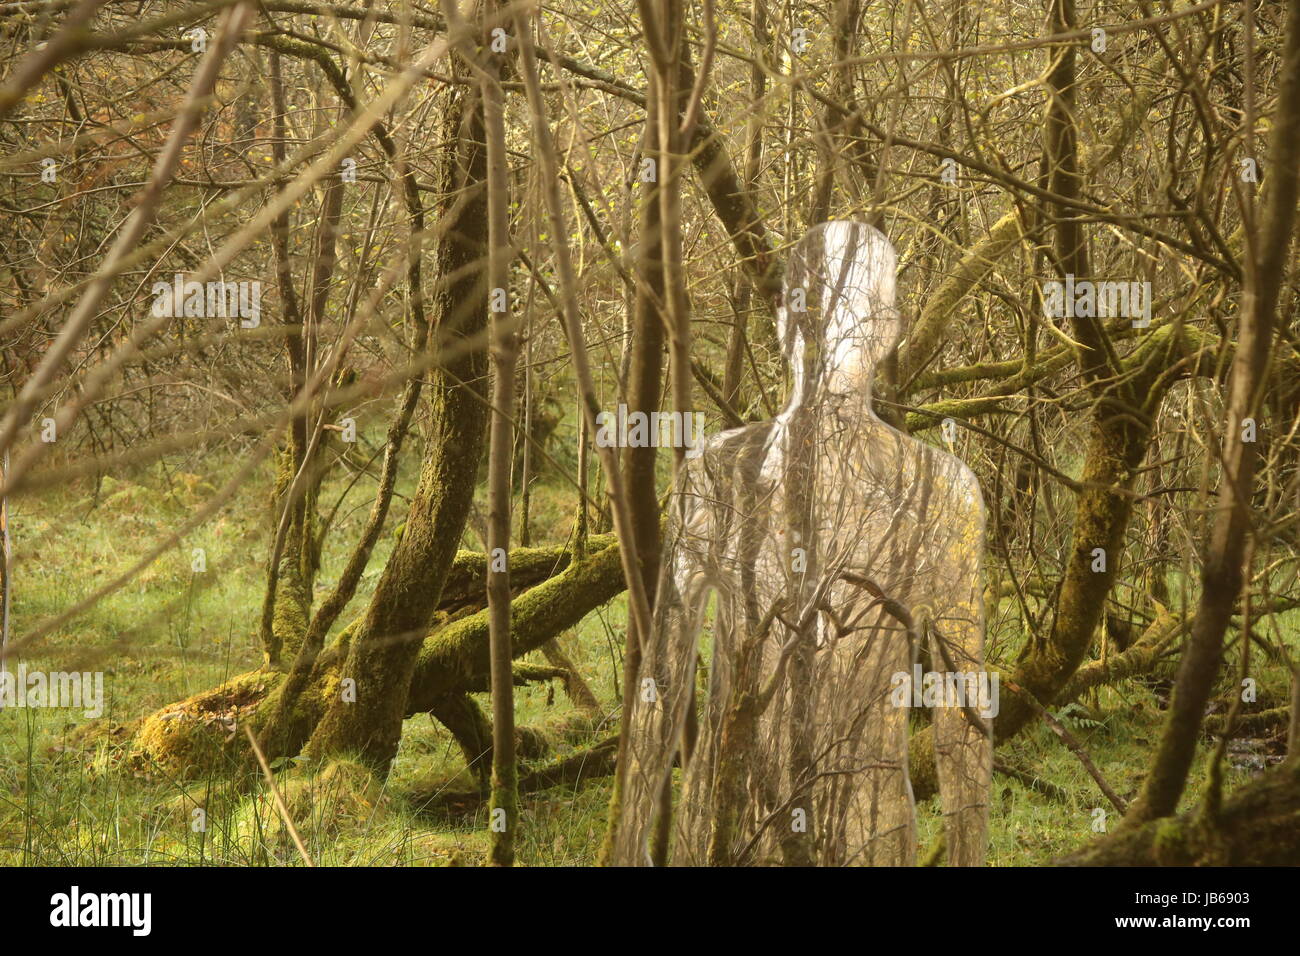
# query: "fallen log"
x,y
456,656
1140,657
193,736
528,566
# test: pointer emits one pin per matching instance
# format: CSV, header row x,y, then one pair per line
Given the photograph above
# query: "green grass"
x,y
66,799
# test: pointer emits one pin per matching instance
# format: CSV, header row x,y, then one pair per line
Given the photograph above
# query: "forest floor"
x,y
68,798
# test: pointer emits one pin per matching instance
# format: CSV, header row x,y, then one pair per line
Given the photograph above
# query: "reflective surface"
x,y
842,556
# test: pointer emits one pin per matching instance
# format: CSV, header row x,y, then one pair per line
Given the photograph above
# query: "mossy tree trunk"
x,y
383,650
287,600
294,636
1125,398
295,553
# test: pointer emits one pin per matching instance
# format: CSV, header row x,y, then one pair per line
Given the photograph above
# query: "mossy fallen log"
x,y
528,567
457,656
199,734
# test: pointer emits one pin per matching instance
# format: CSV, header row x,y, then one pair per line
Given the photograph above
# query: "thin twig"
x,y
275,795
1075,747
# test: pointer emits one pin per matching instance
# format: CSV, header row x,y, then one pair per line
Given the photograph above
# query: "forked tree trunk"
x,y
387,640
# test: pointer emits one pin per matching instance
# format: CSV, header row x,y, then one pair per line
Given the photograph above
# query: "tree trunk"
x,y
382,653
504,816
1223,573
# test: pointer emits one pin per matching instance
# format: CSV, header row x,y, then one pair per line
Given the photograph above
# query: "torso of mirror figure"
x,y
840,554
